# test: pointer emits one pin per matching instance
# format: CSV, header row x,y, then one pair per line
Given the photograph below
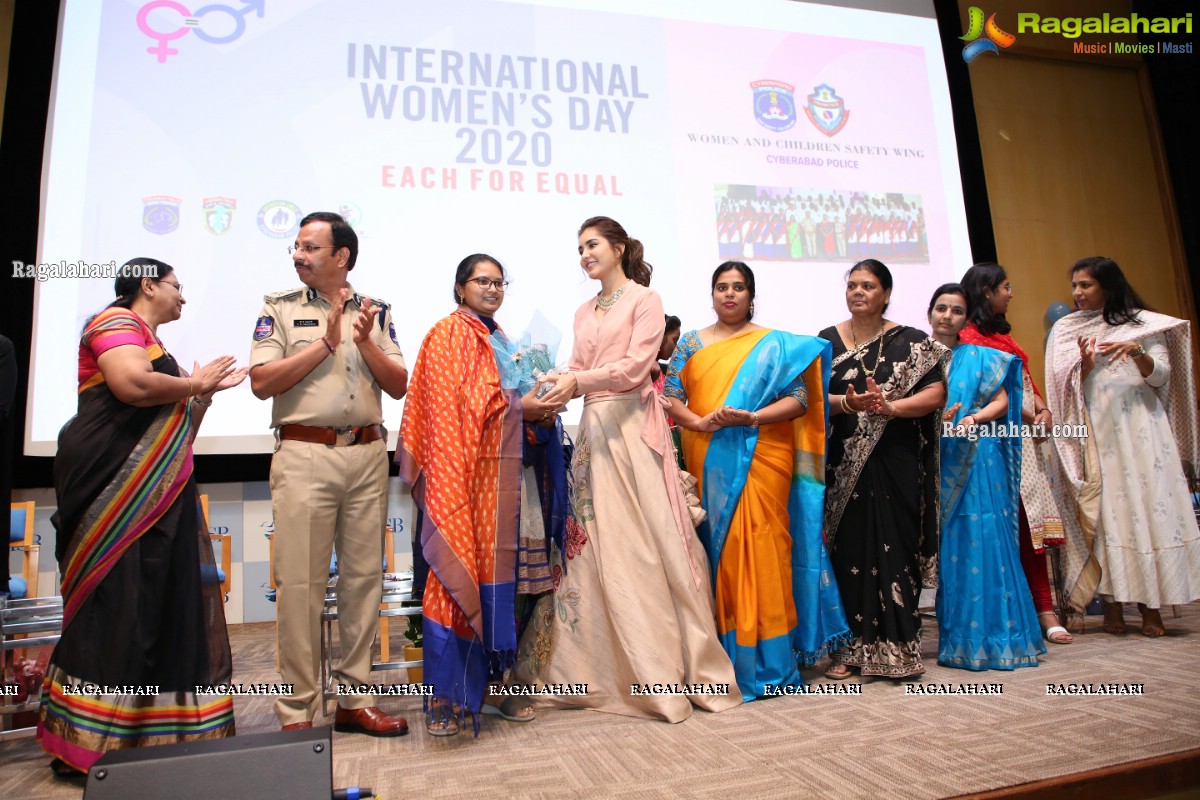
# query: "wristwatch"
x,y
1141,351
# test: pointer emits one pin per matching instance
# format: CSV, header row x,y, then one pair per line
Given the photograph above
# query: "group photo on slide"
x,y
643,388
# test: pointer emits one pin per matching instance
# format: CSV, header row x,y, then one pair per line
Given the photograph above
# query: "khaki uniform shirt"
x,y
340,391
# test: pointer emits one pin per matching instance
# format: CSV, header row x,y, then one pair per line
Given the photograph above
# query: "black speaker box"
x,y
288,764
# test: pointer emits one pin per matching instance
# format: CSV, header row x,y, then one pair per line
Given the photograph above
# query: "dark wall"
x,y
27,98
1176,83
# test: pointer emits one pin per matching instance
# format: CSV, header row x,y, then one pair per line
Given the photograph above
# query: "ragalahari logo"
x,y
995,37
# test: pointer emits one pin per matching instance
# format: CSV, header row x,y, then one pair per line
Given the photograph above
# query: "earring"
x,y
462,298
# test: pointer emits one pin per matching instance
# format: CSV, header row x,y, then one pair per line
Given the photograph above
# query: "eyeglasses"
x,y
178,286
309,249
484,283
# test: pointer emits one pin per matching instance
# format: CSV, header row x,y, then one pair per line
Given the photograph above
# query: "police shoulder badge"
x,y
264,328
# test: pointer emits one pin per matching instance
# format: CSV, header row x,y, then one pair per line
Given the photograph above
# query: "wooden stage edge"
x,y
1133,780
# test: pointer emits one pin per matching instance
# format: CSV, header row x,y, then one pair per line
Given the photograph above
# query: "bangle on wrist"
x,y
196,399
327,344
755,423
1141,351
845,406
191,391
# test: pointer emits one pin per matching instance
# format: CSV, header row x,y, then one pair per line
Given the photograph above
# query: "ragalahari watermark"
x,y
82,269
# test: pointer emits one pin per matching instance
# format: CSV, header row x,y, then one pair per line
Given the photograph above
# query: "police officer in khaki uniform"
x,y
323,354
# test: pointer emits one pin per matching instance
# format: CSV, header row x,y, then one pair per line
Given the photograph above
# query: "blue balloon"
x,y
1056,311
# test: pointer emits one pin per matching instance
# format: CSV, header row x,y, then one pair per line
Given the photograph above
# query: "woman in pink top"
x,y
631,614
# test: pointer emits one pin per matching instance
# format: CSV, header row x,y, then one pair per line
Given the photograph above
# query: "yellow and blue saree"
x,y
777,605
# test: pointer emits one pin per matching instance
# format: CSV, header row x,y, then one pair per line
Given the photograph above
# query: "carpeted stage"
x,y
882,743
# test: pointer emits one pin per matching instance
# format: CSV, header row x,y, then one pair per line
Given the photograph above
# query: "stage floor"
x,y
883,742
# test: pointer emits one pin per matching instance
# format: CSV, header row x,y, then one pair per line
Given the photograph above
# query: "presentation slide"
x,y
798,137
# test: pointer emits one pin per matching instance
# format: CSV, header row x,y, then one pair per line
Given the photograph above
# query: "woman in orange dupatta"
x,y
460,451
754,435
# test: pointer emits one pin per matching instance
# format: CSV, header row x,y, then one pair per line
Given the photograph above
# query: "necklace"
x,y
870,373
605,303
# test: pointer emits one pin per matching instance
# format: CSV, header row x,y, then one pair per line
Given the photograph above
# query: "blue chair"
x,y
21,538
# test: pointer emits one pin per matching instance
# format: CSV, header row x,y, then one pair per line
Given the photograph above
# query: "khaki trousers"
x,y
325,497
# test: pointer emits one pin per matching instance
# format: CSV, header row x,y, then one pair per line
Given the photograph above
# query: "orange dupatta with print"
x,y
460,451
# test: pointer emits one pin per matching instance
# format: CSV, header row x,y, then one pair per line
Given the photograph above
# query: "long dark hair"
x,y
467,266
633,262
1121,301
978,281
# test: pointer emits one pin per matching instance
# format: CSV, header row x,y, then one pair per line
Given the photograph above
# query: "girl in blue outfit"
x,y
986,618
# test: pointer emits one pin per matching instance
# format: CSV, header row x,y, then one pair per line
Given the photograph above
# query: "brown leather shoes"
x,y
297,726
370,721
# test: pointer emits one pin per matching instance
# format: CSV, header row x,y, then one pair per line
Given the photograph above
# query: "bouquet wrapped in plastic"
x,y
527,360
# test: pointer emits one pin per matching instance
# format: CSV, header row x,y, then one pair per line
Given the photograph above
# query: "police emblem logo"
x,y
218,214
826,110
392,332
160,214
279,219
263,328
774,104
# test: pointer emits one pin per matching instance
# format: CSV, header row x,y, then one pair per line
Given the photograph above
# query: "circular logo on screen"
x,y
160,213
279,219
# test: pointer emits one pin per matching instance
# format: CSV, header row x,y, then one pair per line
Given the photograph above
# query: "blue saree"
x,y
986,618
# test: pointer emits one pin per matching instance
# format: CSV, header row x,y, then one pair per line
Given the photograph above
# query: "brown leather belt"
x,y
334,437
